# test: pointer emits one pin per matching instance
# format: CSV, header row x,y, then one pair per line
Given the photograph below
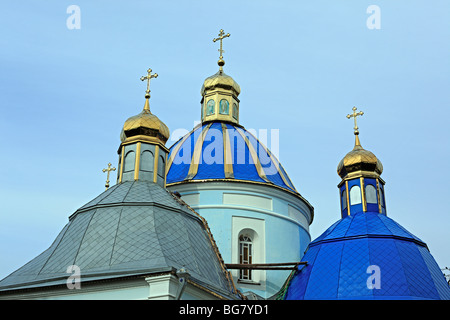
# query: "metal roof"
x,y
132,228
339,261
219,150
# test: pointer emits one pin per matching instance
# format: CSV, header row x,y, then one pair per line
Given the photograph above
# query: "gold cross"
x,y
107,177
354,115
222,36
148,77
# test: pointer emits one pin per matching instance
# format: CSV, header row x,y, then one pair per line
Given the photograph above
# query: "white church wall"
x,y
279,219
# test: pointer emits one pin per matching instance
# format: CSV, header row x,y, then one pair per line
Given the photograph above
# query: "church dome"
x,y
220,80
359,161
145,124
224,151
133,229
342,261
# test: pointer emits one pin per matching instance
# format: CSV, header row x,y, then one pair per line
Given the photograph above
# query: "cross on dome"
x,y
109,169
354,115
222,36
148,77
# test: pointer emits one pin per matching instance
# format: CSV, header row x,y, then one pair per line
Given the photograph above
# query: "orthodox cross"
x,y
107,177
222,36
354,115
148,77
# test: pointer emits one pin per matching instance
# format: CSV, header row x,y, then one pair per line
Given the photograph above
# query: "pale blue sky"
x,y
301,65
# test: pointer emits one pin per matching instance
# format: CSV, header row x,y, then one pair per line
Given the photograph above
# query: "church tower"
x,y
361,188
365,254
142,153
231,178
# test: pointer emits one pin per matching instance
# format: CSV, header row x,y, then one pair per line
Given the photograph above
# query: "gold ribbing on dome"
x,y
222,36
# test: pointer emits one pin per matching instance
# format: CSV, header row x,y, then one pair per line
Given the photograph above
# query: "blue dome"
x,y
338,262
206,153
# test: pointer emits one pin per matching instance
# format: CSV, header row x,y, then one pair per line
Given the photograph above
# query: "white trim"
x,y
238,207
246,187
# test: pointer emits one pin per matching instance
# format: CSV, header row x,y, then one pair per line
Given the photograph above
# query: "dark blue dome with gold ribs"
x,y
224,151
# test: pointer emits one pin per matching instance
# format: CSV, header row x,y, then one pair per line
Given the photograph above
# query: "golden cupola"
x,y
220,93
142,152
145,125
359,162
361,188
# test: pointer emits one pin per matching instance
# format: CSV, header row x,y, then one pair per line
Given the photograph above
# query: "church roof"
x,y
206,153
339,261
132,228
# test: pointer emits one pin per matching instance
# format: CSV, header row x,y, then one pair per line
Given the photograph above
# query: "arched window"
x,y
161,167
147,161
129,161
224,107
355,195
371,194
235,111
383,204
245,256
210,107
344,199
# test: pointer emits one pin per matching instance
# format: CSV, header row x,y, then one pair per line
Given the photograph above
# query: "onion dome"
x,y
367,256
220,93
359,162
145,125
220,80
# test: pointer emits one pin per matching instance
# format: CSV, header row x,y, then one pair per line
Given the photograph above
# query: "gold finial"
x,y
107,176
148,77
222,36
354,115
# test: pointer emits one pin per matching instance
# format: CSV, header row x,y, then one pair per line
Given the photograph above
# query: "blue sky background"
x,y
301,65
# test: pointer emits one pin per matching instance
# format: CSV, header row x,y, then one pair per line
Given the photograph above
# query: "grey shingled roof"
x,y
132,228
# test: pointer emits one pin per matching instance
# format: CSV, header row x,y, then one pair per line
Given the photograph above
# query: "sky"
x,y
66,92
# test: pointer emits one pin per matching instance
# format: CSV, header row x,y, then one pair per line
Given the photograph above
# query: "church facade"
x,y
216,216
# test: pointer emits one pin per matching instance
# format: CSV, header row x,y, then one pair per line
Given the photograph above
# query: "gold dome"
x,y
220,80
145,124
359,162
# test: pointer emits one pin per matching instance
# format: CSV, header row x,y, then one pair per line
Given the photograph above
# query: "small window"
x,y
210,107
344,199
382,198
235,111
147,161
129,162
371,194
224,107
161,166
355,195
245,256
